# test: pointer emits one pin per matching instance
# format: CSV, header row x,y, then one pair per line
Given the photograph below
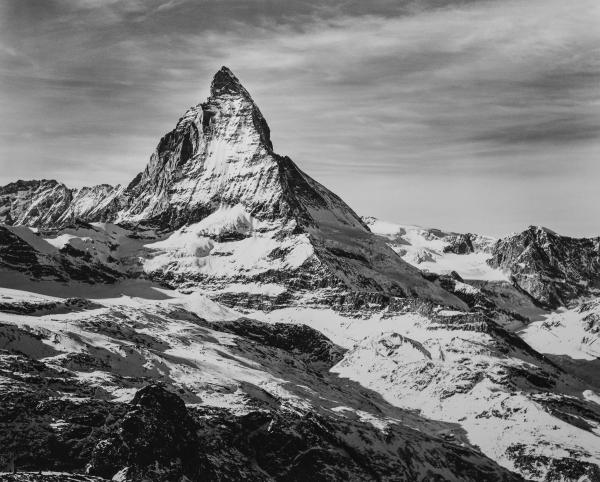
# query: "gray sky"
x,y
476,116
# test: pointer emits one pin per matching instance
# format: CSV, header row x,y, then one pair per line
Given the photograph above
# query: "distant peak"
x,y
539,229
225,82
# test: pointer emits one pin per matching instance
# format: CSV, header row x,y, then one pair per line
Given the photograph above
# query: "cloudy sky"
x,y
467,115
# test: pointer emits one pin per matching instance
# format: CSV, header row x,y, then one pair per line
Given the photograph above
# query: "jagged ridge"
x,y
553,269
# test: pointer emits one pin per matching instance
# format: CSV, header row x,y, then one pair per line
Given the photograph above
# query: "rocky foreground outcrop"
x,y
157,438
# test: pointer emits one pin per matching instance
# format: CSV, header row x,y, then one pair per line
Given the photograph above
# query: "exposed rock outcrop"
x,y
553,269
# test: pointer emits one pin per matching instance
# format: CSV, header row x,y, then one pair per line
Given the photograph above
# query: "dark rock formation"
x,y
28,254
553,269
459,244
154,440
301,340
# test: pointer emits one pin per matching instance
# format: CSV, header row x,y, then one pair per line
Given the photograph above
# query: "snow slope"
x,y
94,361
519,408
434,250
573,332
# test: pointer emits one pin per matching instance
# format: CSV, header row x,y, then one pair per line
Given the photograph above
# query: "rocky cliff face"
x,y
553,269
219,154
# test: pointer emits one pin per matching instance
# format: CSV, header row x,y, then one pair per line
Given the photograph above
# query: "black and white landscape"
x,y
224,316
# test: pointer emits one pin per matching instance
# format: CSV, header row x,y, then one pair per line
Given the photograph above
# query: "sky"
x,y
468,115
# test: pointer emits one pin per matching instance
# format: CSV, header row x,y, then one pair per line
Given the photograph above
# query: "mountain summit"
x,y
218,154
225,82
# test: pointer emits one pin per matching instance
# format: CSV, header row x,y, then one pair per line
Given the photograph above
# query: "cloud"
x,y
355,92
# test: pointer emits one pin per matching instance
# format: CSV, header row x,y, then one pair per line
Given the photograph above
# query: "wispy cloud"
x,y
476,94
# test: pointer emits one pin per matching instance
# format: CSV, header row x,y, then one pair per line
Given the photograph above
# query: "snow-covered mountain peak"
x,y
225,210
553,269
219,154
543,229
225,82
438,251
227,96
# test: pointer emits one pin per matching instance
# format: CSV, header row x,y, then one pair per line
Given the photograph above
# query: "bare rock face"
x,y
155,440
553,269
460,244
306,343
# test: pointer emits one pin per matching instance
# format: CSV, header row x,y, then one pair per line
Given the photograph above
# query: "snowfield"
x,y
457,376
424,248
572,332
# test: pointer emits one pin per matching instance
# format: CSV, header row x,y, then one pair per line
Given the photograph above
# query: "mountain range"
x,y
225,316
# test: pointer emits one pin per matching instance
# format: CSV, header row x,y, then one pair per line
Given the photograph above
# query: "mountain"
x,y
550,269
219,154
23,251
226,317
231,210
553,269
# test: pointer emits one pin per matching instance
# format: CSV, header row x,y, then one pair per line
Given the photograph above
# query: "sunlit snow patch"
x,y
567,332
424,248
